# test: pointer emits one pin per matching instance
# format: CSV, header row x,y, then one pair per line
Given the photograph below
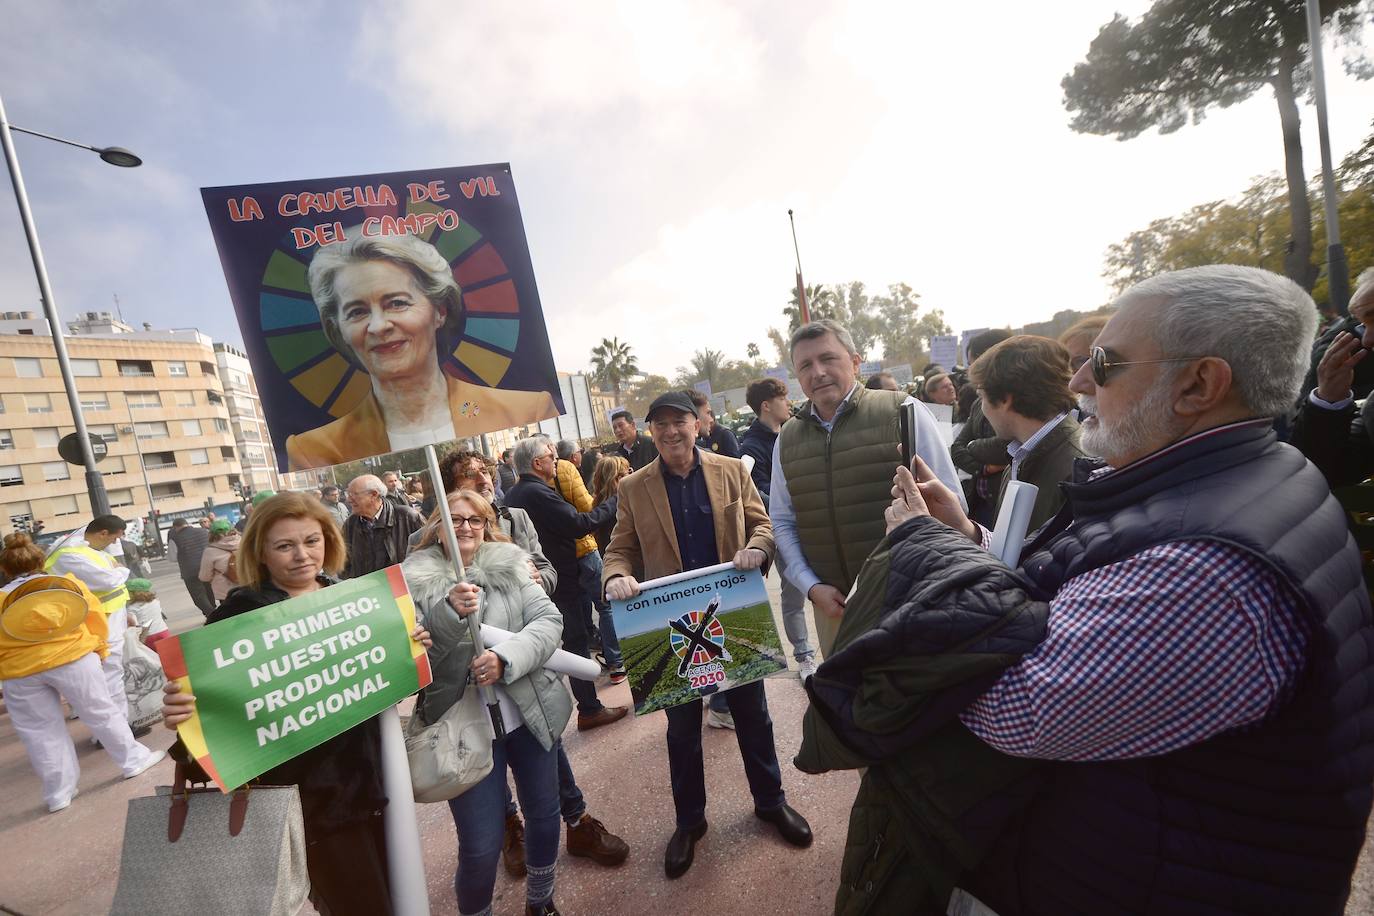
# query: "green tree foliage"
x,y
1249,229
1184,57
642,394
752,351
892,320
613,363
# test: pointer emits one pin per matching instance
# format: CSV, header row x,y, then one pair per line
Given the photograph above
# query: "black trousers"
x,y
576,641
347,870
201,594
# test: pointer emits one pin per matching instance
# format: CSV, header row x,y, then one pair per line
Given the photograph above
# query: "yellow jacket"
x,y
571,487
20,659
361,433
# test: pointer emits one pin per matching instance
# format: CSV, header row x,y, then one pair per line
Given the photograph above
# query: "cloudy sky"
x,y
656,148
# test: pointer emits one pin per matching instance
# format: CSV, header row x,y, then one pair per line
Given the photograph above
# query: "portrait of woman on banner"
x,y
391,305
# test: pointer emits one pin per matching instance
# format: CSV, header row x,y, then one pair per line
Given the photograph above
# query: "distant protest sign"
x,y
689,635
355,293
944,350
273,683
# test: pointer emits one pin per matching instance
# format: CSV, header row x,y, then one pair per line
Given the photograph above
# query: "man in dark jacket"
x,y
559,526
1330,430
978,450
714,437
1024,386
378,532
190,542
767,397
1209,642
633,446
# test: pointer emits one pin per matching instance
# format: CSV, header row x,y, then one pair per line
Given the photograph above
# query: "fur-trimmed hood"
x,y
498,565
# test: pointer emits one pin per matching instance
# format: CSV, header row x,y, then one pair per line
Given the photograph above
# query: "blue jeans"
x,y
753,731
589,577
479,816
570,800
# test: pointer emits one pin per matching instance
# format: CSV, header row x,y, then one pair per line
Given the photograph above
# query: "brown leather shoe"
x,y
513,847
603,716
590,838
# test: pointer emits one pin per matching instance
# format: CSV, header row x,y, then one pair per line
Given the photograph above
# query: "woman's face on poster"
x,y
386,319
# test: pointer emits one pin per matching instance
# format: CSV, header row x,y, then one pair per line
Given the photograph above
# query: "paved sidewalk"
x,y
67,863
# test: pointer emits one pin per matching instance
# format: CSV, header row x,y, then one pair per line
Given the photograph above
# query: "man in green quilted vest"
x,y
832,471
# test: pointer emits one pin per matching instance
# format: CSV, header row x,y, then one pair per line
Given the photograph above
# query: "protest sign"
x,y
704,386
868,368
271,684
901,373
696,633
944,350
777,372
350,291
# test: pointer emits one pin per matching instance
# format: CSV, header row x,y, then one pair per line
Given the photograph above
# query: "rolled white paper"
x,y
562,662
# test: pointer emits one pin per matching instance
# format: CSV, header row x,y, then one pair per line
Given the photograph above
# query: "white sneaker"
x,y
720,719
147,765
64,805
806,667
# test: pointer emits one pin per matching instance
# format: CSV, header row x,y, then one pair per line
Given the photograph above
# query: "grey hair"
x,y
820,328
566,448
371,483
419,258
526,450
1260,323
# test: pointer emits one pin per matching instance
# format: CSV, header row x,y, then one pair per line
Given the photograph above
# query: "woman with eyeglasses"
x,y
535,705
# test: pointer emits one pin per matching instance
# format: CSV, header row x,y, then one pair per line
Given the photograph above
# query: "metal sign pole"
x,y
498,725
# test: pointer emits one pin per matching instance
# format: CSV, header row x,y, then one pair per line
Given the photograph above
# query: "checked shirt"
x,y
1147,655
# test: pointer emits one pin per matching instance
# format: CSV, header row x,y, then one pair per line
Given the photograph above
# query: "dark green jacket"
x,y
841,481
933,622
1049,464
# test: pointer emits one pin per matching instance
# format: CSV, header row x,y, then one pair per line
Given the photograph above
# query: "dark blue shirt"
x,y
721,441
690,505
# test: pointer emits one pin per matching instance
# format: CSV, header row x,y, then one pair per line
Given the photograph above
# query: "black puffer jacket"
x,y
932,623
340,781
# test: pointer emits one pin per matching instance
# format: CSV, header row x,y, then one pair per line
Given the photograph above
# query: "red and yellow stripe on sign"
x,y
190,732
401,592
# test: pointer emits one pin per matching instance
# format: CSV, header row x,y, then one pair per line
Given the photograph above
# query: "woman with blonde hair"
x,y
534,703
610,471
52,638
292,547
391,306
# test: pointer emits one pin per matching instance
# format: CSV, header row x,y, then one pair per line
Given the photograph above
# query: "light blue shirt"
x,y
930,445
1019,450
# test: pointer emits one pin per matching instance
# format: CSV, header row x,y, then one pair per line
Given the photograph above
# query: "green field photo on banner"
x,y
696,635
275,682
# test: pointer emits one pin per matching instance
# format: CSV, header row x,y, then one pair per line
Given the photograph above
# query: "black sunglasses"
x,y
1100,365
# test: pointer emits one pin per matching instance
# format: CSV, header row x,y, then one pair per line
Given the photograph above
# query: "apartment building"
x,y
246,418
154,397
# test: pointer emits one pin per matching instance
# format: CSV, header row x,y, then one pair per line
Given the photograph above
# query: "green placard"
x,y
275,682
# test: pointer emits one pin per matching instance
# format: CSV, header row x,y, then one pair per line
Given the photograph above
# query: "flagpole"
x,y
804,311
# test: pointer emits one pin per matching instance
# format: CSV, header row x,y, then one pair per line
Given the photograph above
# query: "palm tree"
x,y
613,363
820,302
706,365
752,351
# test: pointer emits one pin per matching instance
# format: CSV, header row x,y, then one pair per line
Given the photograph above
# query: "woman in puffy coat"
x,y
534,702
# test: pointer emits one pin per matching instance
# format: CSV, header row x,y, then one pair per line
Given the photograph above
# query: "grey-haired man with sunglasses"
x,y
1200,705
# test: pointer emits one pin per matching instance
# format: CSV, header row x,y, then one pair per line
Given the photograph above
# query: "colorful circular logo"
x,y
295,339
715,632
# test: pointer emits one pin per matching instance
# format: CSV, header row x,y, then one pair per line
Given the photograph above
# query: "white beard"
x,y
1146,426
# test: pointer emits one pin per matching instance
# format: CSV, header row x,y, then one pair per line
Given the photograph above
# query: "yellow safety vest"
x,y
111,600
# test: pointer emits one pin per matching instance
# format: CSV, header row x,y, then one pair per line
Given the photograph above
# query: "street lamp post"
x,y
95,486
1337,270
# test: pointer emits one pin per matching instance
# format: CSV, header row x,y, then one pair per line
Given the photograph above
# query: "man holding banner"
x,y
690,509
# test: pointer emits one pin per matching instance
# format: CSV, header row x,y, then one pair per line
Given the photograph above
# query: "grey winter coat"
x,y
510,600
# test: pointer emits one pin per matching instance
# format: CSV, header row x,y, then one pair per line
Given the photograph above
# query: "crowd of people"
x,y
1166,704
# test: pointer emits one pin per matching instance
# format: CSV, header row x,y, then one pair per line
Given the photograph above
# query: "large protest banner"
x,y
354,293
692,634
273,683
